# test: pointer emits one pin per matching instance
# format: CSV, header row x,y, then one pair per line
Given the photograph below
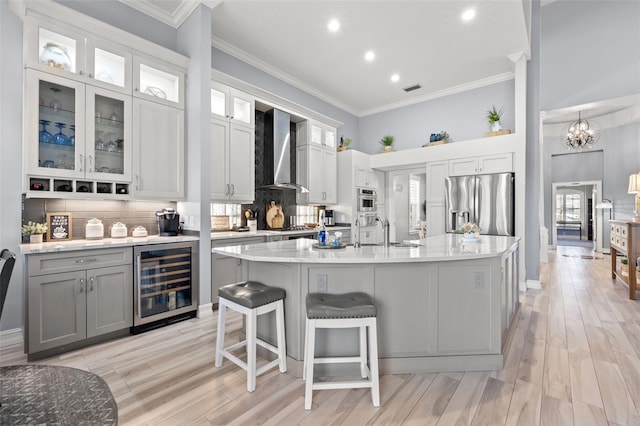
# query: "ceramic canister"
x,y
94,229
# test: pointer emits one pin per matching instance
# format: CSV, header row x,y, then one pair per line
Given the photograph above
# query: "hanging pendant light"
x,y
581,135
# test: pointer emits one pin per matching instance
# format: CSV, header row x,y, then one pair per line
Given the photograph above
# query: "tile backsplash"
x,y
131,213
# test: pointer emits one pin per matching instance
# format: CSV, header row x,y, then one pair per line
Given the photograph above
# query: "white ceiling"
x,y
424,41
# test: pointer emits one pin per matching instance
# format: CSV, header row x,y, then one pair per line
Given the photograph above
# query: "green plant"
x,y
346,142
494,114
624,261
387,140
444,135
34,228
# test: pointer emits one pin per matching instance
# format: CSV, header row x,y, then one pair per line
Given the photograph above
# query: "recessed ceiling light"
x,y
333,25
468,14
369,56
395,78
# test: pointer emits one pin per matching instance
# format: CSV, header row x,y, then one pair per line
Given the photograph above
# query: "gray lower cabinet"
x,y
224,269
73,296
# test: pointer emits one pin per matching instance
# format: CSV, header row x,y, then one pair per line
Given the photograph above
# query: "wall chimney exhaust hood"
x,y
277,156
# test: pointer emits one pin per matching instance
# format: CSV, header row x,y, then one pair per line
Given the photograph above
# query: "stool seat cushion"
x,y
251,294
347,305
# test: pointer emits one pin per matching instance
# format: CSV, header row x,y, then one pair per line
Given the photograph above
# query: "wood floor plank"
x,y
465,400
524,409
531,366
431,405
630,368
618,404
584,383
494,404
588,415
556,380
599,343
617,338
404,399
555,412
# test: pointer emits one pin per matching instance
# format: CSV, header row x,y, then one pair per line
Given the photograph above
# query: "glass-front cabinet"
x,y
77,137
232,104
109,66
157,83
56,49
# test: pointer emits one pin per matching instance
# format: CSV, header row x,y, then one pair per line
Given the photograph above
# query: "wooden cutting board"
x,y
275,216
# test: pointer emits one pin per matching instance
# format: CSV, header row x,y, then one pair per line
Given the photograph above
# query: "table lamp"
x,y
634,188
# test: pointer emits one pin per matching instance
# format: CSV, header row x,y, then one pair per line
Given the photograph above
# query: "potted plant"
x,y
471,231
387,143
34,230
444,136
493,117
347,142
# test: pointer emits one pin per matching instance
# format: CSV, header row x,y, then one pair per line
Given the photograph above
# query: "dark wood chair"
x,y
7,261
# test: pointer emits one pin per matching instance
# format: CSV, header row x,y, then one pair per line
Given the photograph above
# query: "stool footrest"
x,y
234,359
340,359
343,385
267,345
267,367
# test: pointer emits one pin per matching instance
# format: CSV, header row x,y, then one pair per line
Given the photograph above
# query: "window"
x,y
568,207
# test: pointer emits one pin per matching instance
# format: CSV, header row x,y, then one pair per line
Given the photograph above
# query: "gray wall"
x,y
462,115
11,157
612,48
227,64
590,51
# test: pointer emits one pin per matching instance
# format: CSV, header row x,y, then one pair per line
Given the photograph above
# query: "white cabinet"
x,y
437,172
158,154
77,138
232,104
62,50
366,178
486,164
435,219
316,165
158,82
232,161
316,169
73,296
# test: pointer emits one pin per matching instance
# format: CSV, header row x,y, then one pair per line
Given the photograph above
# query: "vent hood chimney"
x,y
277,156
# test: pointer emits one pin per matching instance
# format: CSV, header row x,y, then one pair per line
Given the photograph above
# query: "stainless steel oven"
x,y
366,200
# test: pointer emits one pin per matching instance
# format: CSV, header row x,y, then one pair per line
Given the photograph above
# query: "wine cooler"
x,y
166,284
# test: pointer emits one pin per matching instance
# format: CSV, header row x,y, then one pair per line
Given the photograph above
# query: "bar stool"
x,y
251,299
350,310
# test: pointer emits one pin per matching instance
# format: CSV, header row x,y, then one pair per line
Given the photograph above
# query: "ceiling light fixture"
x,y
395,78
369,56
333,25
580,135
468,14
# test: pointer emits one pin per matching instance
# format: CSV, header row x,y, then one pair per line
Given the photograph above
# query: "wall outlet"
x,y
321,283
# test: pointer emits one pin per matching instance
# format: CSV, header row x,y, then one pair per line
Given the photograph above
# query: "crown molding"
x,y
499,78
279,74
174,20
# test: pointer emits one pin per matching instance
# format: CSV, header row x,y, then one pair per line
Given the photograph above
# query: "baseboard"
x,y
207,308
11,337
534,284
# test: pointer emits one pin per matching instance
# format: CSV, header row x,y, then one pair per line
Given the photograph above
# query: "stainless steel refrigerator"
x,y
487,200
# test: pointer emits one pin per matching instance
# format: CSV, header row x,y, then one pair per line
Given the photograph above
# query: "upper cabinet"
x,y
60,50
485,164
234,105
316,164
318,134
158,82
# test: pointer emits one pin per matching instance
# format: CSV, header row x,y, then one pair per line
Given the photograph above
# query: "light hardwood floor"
x,y
574,358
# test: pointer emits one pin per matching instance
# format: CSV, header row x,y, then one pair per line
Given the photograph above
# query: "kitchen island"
x,y
443,304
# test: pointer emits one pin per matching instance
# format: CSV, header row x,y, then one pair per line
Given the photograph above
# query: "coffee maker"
x,y
329,220
168,221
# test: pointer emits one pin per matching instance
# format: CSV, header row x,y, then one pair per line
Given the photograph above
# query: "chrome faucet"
x,y
356,243
385,230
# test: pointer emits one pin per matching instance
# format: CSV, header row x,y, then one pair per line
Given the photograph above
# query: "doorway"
x,y
574,216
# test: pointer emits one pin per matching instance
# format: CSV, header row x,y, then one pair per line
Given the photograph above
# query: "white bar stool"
x,y
251,299
350,310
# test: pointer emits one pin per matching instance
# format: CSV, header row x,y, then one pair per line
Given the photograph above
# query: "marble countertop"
x,y
57,246
221,235
439,248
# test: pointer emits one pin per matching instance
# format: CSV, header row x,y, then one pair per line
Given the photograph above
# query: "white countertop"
x,y
439,248
221,235
56,246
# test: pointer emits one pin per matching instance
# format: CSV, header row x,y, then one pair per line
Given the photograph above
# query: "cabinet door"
x,y
329,175
219,96
501,163
220,188
109,299
57,310
437,171
315,174
109,66
224,270
54,126
242,163
463,166
56,49
158,154
330,137
365,178
158,82
316,134
435,219
242,108
108,136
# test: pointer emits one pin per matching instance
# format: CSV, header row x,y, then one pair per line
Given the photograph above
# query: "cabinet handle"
x,y
226,191
136,89
233,189
91,259
137,182
90,75
81,72
81,163
91,164
138,290
81,285
91,280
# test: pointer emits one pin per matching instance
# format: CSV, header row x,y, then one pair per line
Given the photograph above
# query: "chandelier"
x,y
581,135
